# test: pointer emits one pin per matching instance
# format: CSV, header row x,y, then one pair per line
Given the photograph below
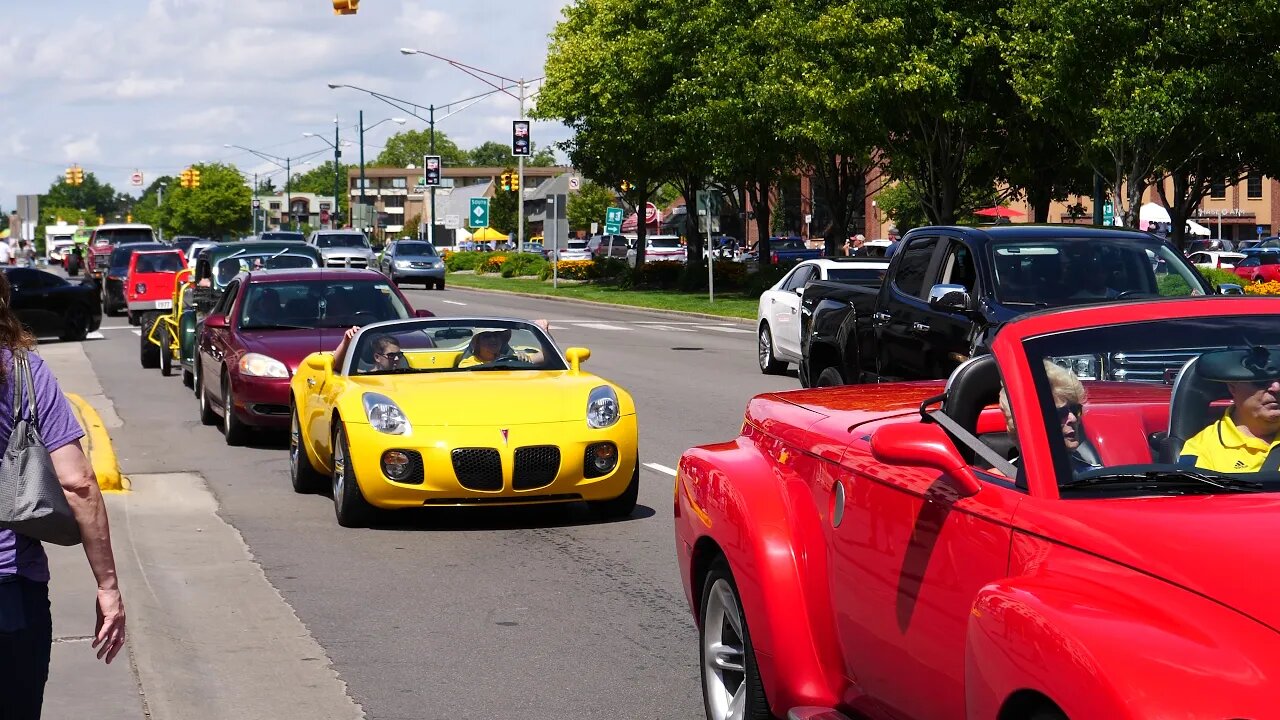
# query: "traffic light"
x,y
345,7
79,172
185,179
515,182
195,177
71,176
128,217
506,181
75,175
626,187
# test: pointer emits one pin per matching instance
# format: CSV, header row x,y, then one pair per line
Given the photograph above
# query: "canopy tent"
x,y
1195,228
488,234
1150,215
998,212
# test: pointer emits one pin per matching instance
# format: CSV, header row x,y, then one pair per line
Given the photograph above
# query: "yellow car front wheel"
x,y
623,505
349,504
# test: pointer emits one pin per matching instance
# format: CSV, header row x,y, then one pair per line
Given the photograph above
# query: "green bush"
x,y
763,279
523,265
456,261
1217,277
661,275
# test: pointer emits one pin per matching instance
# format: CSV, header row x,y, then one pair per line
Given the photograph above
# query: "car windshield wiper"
x,y
278,326
1179,476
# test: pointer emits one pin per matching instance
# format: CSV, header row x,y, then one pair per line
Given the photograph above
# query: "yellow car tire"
x,y
623,505
349,505
302,474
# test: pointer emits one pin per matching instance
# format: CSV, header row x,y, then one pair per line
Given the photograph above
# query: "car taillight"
x,y
773,257
140,288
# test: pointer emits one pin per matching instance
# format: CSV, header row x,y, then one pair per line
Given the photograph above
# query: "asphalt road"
x,y
534,613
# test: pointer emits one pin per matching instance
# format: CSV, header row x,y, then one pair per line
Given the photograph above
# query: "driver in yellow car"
x,y
486,347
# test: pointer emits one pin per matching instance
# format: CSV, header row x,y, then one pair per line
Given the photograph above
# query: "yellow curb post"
x,y
97,445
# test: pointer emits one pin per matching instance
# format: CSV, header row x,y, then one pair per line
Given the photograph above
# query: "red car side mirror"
x,y
423,313
215,321
924,445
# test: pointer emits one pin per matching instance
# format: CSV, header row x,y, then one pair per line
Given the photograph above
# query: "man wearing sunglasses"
x,y
1245,439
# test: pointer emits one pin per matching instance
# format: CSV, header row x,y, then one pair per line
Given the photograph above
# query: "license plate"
x,y
164,304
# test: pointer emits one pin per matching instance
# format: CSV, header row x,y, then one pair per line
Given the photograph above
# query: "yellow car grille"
x,y
536,466
478,468
481,468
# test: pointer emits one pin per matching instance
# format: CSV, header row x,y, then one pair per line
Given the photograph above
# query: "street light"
x,y
398,121
337,167
411,108
480,75
288,176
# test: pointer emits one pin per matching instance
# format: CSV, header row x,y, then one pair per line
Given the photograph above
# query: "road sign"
x,y
1262,230
595,228
479,217
520,138
431,170
575,183
257,203
452,222
136,179
1108,213
613,221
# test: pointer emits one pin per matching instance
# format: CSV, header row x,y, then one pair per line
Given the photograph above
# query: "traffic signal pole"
x,y
362,213
431,227
337,153
520,188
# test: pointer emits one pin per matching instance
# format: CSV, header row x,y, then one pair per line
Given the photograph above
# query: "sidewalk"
x,y
81,685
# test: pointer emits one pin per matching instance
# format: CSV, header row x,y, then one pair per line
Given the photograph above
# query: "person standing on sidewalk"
x,y
26,626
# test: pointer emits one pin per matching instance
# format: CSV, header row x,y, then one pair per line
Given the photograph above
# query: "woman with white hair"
x,y
1069,398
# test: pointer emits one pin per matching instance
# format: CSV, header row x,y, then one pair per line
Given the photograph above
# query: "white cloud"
x,y
115,86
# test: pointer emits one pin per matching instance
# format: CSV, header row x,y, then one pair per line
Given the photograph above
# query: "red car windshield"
x,y
111,236
327,303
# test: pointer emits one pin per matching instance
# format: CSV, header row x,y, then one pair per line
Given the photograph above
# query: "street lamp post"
x,y
288,176
411,108
337,153
480,74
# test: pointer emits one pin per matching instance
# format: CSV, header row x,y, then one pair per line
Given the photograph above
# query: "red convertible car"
x,y
265,323
910,551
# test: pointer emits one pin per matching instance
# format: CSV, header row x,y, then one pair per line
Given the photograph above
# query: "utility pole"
x,y
288,193
253,205
431,226
160,211
362,213
337,153
520,191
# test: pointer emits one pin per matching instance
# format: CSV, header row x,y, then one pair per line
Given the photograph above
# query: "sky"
x,y
153,86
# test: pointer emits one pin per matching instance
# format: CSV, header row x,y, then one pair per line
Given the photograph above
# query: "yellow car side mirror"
x,y
576,356
320,362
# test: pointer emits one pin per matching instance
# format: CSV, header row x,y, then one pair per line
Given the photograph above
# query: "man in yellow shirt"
x,y
1245,439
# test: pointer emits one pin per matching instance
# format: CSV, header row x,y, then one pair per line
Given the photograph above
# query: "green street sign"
x,y
1108,214
479,216
613,220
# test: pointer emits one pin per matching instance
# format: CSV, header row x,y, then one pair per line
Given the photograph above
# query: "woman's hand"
x,y
109,631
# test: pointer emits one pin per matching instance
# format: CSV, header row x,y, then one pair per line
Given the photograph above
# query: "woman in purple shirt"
x,y
26,629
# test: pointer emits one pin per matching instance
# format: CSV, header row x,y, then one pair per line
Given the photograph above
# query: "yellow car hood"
x,y
489,397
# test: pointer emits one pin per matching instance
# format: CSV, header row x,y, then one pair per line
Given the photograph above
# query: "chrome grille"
x,y
355,262
536,466
1159,367
478,468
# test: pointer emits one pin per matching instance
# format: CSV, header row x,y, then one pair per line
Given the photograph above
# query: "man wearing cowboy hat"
x,y
1245,439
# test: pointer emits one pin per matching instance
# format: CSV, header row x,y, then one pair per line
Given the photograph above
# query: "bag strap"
x,y
23,389
30,384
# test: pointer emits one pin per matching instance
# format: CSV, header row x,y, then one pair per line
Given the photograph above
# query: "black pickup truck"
x,y
949,289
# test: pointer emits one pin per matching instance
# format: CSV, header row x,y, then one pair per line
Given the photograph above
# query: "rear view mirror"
x,y
576,356
423,313
320,362
924,445
215,321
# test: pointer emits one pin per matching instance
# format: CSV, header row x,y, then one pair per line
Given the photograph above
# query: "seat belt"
x,y
1272,461
1005,467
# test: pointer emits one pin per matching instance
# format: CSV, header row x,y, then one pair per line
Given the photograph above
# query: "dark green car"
x,y
221,263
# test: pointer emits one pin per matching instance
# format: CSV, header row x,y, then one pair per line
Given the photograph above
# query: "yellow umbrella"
x,y
4,234
486,234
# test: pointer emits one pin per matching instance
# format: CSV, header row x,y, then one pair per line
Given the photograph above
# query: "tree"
x,y
588,205
319,180
148,209
92,195
408,147
502,212
220,206
608,73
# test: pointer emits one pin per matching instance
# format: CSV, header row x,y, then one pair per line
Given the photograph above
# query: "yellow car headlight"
x,y
385,416
258,365
602,407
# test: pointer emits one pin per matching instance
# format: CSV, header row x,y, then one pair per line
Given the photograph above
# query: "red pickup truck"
x,y
150,282
105,238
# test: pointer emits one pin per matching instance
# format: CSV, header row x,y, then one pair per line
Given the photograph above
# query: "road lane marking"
x,y
95,336
115,327
138,333
661,468
669,328
452,302
601,326
724,329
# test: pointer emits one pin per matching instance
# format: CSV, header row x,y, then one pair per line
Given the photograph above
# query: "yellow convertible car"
x,y
460,411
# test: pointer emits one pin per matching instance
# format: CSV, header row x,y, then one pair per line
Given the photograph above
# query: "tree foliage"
x,y
496,154
219,207
93,196
588,205
408,147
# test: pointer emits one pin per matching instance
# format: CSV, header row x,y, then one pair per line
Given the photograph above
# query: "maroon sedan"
x,y
266,322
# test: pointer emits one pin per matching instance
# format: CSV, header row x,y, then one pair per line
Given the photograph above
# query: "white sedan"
x,y
1215,259
778,317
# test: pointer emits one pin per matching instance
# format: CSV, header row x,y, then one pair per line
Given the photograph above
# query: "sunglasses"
x,y
391,355
1069,409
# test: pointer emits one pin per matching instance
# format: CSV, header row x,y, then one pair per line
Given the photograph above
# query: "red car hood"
x,y
290,346
1218,546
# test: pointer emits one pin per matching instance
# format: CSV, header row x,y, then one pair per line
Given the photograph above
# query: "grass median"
x,y
732,305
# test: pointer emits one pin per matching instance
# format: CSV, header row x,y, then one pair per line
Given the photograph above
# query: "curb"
x,y
98,446
615,306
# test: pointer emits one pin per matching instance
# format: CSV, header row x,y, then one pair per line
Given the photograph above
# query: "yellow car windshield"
x,y
454,345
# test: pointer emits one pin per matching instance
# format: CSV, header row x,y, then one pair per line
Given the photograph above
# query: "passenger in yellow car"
x,y
488,346
1246,438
